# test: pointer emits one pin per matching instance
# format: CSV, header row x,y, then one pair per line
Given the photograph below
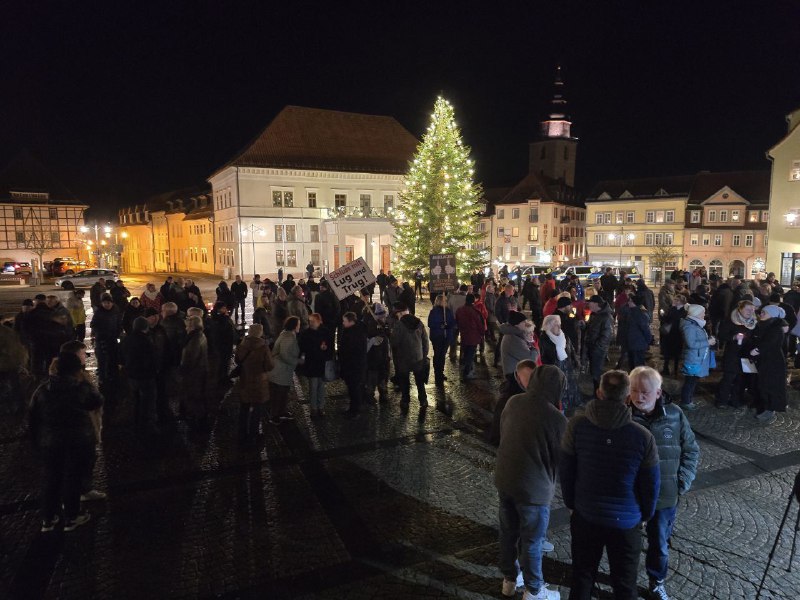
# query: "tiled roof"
x,y
534,186
313,138
26,174
162,201
650,187
753,186
491,196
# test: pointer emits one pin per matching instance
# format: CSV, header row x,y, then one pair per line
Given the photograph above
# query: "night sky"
x,y
123,100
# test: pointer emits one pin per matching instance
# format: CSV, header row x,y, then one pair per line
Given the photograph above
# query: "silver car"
x,y
85,279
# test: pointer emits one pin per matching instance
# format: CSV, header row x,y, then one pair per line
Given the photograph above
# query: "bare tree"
x,y
661,256
38,235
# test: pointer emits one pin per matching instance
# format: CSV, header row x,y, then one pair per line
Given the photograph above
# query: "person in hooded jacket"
x,y
106,328
151,297
410,346
316,343
531,432
96,292
131,312
637,333
222,335
255,360
353,360
515,347
598,335
63,434
195,373
557,350
678,457
734,335
471,328
77,313
328,306
225,295
378,356
766,348
120,295
670,337
296,306
442,326
696,355
648,299
286,357
139,359
408,297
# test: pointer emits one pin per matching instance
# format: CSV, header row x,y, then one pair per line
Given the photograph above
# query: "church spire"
x,y
558,124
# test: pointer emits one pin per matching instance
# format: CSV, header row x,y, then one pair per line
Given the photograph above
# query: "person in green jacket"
x,y
678,454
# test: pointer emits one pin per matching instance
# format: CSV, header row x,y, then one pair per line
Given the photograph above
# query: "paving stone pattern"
x,y
383,506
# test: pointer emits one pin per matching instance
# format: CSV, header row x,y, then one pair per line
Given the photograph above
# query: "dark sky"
x,y
126,99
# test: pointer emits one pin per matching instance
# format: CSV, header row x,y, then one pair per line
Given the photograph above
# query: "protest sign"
x,y
351,278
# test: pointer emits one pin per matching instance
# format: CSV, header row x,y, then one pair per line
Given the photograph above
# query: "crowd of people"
x,y
542,334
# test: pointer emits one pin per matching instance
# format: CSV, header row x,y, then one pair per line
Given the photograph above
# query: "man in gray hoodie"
x,y
531,428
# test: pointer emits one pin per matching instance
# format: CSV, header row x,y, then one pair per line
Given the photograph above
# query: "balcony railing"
x,y
356,212
565,220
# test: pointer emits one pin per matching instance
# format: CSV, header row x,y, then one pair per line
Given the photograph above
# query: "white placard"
x,y
351,278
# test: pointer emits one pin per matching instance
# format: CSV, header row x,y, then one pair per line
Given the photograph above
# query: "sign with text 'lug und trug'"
x,y
351,278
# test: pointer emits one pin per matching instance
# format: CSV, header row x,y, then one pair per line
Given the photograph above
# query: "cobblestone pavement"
x,y
382,506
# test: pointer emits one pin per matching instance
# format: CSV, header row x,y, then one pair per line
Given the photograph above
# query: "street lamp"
x,y
253,230
622,237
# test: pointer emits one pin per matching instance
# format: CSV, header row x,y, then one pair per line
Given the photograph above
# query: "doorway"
x,y
386,258
348,256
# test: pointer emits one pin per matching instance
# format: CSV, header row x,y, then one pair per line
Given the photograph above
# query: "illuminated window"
x,y
618,218
764,216
735,216
279,258
291,258
718,239
607,218
706,239
515,232
598,219
277,198
315,257
752,216
794,174
533,234
694,216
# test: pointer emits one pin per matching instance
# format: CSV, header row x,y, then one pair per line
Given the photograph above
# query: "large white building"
x,y
783,253
39,218
316,186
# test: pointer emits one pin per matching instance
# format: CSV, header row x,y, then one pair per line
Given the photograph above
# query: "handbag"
x,y
693,369
331,371
237,370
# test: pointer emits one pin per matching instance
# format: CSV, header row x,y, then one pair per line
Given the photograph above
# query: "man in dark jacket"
x,y
598,336
610,480
175,329
506,303
222,336
608,284
328,306
471,327
409,342
96,292
531,429
120,295
139,359
408,297
638,331
720,307
678,455
106,328
381,281
353,360
239,291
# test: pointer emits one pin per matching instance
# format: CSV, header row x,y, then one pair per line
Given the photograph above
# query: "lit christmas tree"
x,y
438,210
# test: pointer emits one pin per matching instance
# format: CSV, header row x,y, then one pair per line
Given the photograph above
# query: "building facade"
x,y
783,257
317,186
627,220
39,218
727,215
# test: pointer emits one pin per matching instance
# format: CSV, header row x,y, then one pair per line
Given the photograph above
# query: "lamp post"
x,y
253,230
622,237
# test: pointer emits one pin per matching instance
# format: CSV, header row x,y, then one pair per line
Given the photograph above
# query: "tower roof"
x,y
558,105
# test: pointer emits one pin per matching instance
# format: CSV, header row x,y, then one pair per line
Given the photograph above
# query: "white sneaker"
x,y
547,546
658,590
544,594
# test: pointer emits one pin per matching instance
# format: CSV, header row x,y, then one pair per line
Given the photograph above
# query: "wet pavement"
x,y
386,505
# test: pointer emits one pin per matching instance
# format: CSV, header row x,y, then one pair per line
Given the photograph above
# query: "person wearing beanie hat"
x,y
139,359
515,317
471,328
610,480
563,301
697,351
61,428
766,349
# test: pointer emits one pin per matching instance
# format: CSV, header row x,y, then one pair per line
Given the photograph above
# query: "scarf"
x,y
738,319
151,295
560,342
701,322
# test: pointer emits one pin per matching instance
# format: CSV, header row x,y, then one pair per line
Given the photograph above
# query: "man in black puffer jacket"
x,y
598,336
678,455
62,432
106,328
139,357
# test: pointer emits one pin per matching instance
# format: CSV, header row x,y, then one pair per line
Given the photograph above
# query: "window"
x,y
315,233
54,214
752,216
531,251
279,233
694,240
291,258
204,255
515,213
18,214
658,239
712,216
514,251
555,212
340,200
669,239
648,239
279,258
618,218
366,202
598,219
500,232
735,216
533,234
694,216
388,202
533,215
500,251
607,218
312,199
718,239
20,237
277,198
650,216
598,239
291,233
794,174
630,217
55,237
659,216
736,240
501,213
764,216
723,216
748,240
315,257
765,240
706,239
515,232
288,198
670,216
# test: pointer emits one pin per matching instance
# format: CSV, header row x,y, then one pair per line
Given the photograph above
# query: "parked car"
x,y
633,272
582,271
66,266
17,268
85,279
535,270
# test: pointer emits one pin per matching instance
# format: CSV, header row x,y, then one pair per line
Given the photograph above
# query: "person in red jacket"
x,y
547,288
481,307
551,305
471,327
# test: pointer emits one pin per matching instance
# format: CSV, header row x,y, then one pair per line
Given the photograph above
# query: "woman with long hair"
x,y
557,349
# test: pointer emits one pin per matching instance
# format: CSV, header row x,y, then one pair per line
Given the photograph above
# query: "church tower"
x,y
553,153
